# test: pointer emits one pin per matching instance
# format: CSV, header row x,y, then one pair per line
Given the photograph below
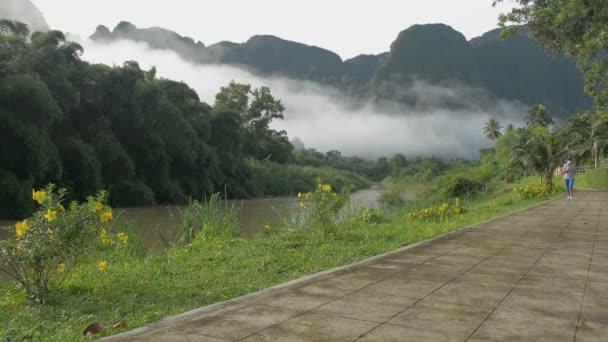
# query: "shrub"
x,y
460,186
438,213
391,198
530,191
325,206
369,215
598,178
43,248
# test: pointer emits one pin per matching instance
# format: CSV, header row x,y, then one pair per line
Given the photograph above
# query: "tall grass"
x,y
214,216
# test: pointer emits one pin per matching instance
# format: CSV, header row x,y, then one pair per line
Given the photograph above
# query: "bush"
x,y
438,213
326,205
369,215
597,178
530,191
46,246
460,186
391,198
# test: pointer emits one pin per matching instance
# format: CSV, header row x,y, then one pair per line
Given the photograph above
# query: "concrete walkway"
x,y
537,275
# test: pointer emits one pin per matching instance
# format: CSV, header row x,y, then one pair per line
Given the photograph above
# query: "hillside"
x,y
516,69
24,11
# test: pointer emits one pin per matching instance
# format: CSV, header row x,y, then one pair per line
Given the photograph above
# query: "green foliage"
x,y
324,206
530,191
460,185
373,170
492,129
597,178
45,247
391,198
213,269
538,116
577,27
369,215
273,179
445,211
213,217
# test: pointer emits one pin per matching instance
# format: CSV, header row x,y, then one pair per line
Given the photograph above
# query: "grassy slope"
x,y
143,290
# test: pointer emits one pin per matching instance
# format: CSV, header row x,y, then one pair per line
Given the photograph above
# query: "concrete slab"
x,y
373,307
315,327
240,323
404,285
536,275
519,325
390,333
450,319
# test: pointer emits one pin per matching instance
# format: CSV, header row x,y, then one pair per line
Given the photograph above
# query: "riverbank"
x,y
139,290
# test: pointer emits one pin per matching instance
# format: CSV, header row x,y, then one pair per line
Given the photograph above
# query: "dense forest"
x,y
147,140
518,69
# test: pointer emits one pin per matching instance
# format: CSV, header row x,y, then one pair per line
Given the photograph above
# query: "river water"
x,y
151,223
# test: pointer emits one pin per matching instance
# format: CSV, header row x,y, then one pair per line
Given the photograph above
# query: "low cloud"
x,y
324,119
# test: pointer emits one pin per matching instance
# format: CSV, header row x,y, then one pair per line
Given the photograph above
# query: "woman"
x,y
569,170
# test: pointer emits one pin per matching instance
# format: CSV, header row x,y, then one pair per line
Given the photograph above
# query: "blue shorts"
x,y
569,183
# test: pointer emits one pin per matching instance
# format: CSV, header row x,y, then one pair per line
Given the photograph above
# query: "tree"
x,y
540,151
578,27
538,116
492,129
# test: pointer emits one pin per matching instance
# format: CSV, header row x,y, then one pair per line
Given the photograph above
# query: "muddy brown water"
x,y
151,223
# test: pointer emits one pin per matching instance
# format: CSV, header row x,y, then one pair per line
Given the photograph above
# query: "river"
x,y
152,222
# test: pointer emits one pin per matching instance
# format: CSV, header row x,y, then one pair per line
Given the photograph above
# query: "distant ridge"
x,y
24,11
516,69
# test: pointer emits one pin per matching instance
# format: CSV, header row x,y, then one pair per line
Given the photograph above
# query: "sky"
x,y
348,28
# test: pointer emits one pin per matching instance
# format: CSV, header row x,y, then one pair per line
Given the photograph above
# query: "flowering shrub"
x,y
325,206
438,213
46,246
530,191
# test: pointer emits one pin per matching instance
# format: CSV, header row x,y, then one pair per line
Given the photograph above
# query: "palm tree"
x,y
541,152
538,116
492,129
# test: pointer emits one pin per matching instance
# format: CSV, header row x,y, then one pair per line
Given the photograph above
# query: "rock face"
x,y
434,54
25,12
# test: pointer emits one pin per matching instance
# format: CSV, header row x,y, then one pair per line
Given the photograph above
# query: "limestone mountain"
x,y
436,54
24,11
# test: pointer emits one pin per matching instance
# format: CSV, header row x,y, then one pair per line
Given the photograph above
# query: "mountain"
x,y
435,54
24,11
519,68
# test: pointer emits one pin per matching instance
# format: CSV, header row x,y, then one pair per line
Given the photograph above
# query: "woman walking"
x,y
569,170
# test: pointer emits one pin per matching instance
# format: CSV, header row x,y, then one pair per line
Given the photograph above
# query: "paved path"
x,y
537,275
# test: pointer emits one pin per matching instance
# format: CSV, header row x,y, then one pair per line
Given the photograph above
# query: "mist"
x,y
324,119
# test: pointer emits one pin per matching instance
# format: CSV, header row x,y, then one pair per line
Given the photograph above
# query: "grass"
x,y
214,267
594,179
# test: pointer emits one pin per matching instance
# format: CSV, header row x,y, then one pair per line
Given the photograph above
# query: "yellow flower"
x,y
103,233
101,265
97,207
457,201
60,208
335,195
326,187
267,227
61,268
303,205
20,228
107,242
456,211
105,216
39,196
123,237
300,195
50,215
